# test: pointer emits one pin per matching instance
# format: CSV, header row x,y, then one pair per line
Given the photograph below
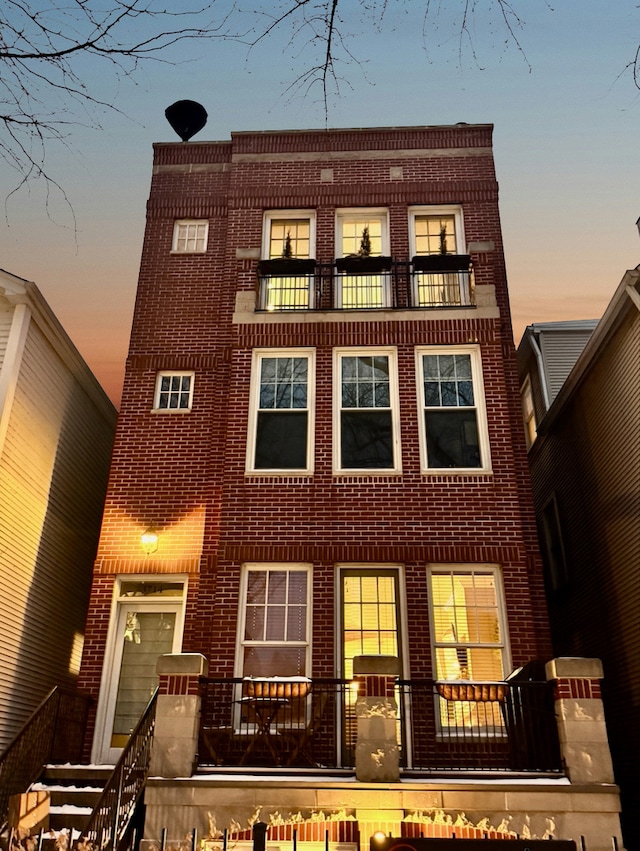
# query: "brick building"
x,y
320,458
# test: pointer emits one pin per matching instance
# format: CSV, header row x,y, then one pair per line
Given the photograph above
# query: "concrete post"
x,y
583,734
175,738
377,754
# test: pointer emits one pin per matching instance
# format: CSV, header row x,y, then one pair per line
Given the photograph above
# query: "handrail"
x,y
111,817
60,716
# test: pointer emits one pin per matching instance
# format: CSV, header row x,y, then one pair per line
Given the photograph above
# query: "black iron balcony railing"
x,y
395,285
441,726
310,725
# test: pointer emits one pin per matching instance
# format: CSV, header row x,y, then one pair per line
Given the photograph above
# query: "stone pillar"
x,y
583,734
175,737
377,754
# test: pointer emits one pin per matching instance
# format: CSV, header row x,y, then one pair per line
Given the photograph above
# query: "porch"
x,y
439,727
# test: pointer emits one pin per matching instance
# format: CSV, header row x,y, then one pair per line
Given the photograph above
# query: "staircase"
x,y
74,791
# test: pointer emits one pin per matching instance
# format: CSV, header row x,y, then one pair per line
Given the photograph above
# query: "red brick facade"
x,y
184,472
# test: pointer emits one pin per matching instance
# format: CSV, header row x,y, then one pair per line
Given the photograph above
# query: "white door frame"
x,y
102,752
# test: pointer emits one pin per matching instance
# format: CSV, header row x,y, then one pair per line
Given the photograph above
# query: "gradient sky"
x,y
567,125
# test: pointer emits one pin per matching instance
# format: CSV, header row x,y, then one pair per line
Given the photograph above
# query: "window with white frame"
x,y
280,434
362,234
174,391
443,279
436,230
469,643
453,423
468,624
274,636
288,239
288,234
366,410
350,232
190,236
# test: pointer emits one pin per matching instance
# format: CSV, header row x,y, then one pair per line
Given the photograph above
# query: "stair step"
x,y
82,775
68,816
74,790
80,796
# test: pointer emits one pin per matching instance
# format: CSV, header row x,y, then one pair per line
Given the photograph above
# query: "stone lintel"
x,y
574,667
183,664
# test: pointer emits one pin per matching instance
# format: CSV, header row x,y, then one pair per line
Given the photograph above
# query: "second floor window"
x,y
453,423
280,431
366,429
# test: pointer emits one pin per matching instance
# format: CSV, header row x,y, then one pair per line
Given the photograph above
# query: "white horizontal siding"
x,y
6,315
560,350
53,472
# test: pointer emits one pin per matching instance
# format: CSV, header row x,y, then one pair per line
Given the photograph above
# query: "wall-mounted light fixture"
x,y
149,540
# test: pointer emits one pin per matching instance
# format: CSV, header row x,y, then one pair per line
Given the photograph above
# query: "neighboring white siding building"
x,y
56,432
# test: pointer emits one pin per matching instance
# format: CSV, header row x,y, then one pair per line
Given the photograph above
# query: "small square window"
x,y
190,236
174,391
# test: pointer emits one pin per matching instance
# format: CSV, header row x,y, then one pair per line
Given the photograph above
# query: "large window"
x,y
453,422
286,270
469,641
362,240
366,410
190,236
274,638
436,233
174,391
281,418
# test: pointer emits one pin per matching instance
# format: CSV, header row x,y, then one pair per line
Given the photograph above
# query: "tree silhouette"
x,y
49,50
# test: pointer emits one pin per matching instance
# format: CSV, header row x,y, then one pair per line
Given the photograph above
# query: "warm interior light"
x,y
149,540
379,836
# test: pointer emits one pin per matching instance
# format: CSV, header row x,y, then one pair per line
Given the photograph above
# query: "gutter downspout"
x,y
543,378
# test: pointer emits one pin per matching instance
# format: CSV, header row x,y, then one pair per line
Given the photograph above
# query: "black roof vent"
x,y
186,117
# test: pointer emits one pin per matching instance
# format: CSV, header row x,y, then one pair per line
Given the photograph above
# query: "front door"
x,y
144,629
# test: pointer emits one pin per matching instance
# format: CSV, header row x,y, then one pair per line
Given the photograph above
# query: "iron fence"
x,y
306,724
441,726
479,726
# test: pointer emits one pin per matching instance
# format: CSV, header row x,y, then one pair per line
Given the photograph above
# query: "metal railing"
x,y
401,287
479,726
441,726
311,729
110,822
53,733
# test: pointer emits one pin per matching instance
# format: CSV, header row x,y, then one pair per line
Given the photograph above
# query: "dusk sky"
x,y
567,125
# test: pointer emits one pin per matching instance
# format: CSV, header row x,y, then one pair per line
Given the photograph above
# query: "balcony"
x,y
379,284
467,727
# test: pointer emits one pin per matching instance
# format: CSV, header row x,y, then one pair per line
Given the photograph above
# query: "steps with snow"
x,y
74,791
